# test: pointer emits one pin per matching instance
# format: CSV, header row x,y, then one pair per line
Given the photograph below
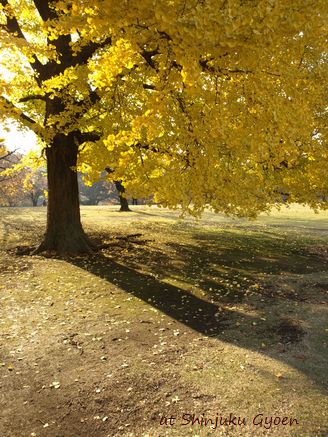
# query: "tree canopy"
x,y
219,103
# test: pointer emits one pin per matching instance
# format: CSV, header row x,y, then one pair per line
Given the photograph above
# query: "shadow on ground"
x,y
226,276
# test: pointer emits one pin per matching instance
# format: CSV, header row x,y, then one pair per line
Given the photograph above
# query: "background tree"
x,y
11,184
122,196
121,192
35,184
95,193
22,181
7,159
216,103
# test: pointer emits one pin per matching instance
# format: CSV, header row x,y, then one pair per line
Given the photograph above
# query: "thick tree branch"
x,y
89,50
82,137
9,105
68,58
32,124
81,107
45,10
63,45
147,86
33,97
148,57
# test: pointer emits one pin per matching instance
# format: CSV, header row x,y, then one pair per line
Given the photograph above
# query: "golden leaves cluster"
x,y
219,103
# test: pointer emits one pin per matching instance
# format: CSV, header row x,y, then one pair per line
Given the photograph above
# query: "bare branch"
x,y
270,73
204,63
4,157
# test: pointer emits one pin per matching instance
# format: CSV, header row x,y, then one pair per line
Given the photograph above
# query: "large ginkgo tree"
x,y
204,103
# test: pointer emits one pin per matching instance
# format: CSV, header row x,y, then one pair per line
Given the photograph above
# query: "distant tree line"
x,y
28,185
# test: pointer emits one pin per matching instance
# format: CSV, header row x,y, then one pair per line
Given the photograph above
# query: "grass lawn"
x,y
172,328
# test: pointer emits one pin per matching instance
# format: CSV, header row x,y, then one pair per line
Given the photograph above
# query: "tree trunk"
x,y
64,234
123,199
34,200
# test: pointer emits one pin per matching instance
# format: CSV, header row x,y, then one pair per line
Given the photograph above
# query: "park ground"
x,y
173,319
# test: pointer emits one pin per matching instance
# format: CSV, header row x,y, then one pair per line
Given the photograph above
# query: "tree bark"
x,y
64,233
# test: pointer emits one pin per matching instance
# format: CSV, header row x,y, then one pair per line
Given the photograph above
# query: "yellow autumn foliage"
x,y
213,103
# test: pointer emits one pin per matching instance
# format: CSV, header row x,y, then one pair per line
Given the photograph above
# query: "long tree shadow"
x,y
225,266
198,314
207,316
